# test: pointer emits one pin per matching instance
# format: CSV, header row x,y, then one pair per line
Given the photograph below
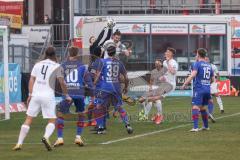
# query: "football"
x,y
111,23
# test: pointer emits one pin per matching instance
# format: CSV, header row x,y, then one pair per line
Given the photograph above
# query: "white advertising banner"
x,y
85,27
235,27
133,28
170,28
37,33
208,29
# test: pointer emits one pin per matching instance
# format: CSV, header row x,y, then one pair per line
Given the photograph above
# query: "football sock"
x,y
23,133
123,115
210,107
90,113
159,106
104,121
220,103
195,114
147,108
204,118
60,126
99,115
80,125
49,130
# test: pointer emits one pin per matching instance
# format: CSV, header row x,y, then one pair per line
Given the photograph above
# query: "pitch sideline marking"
x,y
142,135
161,131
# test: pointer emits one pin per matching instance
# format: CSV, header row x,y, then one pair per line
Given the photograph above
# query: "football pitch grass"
x,y
170,140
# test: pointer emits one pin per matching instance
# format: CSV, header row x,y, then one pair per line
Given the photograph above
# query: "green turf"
x,y
222,142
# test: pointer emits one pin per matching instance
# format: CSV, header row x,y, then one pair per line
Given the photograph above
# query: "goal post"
x,y
4,86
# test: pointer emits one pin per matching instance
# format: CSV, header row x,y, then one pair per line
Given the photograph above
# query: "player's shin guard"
x,y
49,130
195,115
99,115
159,107
220,103
147,108
210,107
204,118
60,126
23,133
123,115
80,125
90,113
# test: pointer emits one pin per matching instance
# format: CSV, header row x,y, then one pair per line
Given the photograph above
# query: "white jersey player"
x,y
120,48
214,87
42,96
172,67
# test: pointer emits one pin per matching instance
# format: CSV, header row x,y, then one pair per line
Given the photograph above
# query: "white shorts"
x,y
162,90
214,88
46,105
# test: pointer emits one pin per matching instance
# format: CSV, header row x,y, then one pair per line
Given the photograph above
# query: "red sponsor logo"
x,y
224,87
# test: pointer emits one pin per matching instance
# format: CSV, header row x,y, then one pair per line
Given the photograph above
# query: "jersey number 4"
x,y
44,71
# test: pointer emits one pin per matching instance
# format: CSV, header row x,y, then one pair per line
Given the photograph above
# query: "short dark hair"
x,y
111,50
90,39
117,32
172,50
73,51
202,52
159,60
50,53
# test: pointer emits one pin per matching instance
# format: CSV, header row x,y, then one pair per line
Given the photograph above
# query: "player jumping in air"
x,y
120,48
203,74
77,78
111,69
214,89
41,96
155,88
167,84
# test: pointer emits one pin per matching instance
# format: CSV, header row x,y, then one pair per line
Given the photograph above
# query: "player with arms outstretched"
x,y
203,74
77,78
41,96
111,94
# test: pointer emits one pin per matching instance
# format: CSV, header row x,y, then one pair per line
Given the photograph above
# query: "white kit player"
x,y
42,96
167,85
120,48
214,86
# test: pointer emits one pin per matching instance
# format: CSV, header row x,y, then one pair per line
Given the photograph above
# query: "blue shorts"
x,y
64,106
201,98
108,99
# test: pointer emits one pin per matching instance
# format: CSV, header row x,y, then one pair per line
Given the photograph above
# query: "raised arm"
x,y
108,36
99,38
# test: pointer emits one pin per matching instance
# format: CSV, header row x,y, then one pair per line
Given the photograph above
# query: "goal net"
x,y
4,87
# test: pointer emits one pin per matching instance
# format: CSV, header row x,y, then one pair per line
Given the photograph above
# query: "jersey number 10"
x,y
71,75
